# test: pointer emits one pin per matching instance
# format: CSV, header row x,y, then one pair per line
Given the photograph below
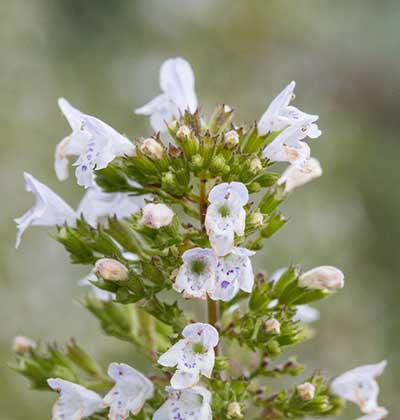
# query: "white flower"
x,y
196,276
226,215
130,392
293,177
95,142
306,314
156,216
192,403
75,402
377,414
49,208
96,204
324,277
100,294
177,85
234,272
280,115
288,147
23,344
193,355
360,387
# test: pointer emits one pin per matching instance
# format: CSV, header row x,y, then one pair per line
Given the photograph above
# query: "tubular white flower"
x,y
226,215
293,177
196,276
156,216
130,392
280,115
193,403
360,387
288,147
75,402
234,273
306,314
95,142
193,355
324,277
96,204
177,84
49,209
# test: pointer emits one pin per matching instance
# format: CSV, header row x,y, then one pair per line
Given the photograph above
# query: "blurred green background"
x,y
104,56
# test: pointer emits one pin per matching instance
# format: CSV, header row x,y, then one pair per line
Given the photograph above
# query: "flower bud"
x,y
255,165
293,177
110,269
324,277
234,411
156,216
256,219
183,132
231,139
197,161
306,391
272,326
23,344
152,149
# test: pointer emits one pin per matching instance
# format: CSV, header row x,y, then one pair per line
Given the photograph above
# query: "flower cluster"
x,y
181,213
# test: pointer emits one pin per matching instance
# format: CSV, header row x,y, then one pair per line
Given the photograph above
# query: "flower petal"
x,y
75,402
49,209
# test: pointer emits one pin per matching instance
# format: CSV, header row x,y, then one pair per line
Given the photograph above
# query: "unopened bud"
x,y
156,216
273,326
174,151
110,269
152,149
197,161
217,163
255,165
231,139
23,344
306,391
293,177
324,277
256,218
234,411
183,132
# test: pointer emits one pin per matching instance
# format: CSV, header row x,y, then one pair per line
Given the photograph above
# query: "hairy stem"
x,y
213,310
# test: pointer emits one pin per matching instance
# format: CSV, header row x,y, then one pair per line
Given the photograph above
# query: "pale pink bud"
x,y
156,216
273,326
306,391
231,139
183,132
152,149
324,277
110,269
23,344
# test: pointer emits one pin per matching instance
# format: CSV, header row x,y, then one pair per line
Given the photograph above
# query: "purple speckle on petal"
x,y
225,284
84,168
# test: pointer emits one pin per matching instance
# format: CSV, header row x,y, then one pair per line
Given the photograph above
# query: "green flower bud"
x,y
110,269
255,165
234,411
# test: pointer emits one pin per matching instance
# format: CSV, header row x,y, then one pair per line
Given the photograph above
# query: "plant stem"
x,y
212,306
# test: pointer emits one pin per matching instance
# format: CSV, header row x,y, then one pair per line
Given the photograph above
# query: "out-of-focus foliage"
x,y
103,55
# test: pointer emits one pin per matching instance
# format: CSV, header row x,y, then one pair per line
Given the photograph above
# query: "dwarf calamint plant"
x,y
179,217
